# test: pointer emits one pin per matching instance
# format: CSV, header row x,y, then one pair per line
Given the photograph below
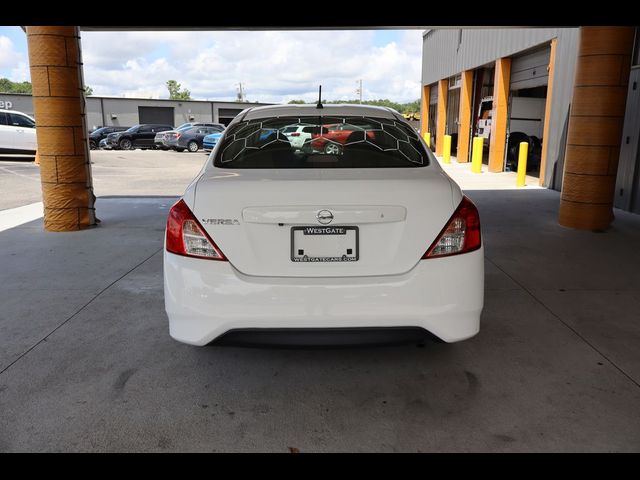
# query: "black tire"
x,y
535,152
513,148
192,146
454,143
179,149
125,144
93,145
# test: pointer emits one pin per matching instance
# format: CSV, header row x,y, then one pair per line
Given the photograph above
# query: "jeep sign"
x,y
6,105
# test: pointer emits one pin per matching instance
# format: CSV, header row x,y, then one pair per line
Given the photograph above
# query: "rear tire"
x,y
125,144
92,145
332,149
192,146
513,148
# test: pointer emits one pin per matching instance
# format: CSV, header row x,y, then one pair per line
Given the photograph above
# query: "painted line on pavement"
x,y
14,217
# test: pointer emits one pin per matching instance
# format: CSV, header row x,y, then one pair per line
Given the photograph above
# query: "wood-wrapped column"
x,y
441,121
59,108
500,114
595,127
464,132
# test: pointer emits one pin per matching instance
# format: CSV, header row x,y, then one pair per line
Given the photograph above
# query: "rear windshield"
x,y
328,142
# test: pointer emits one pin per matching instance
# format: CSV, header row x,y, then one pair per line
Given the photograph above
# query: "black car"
x,y
139,136
102,132
190,138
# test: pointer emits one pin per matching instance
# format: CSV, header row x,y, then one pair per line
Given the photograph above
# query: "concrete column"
x,y
466,95
498,139
595,127
424,111
59,108
441,122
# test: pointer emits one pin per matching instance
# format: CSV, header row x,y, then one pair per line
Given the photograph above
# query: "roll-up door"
x,y
161,115
433,94
530,70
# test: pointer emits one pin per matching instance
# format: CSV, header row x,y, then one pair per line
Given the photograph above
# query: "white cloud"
x,y
9,56
274,66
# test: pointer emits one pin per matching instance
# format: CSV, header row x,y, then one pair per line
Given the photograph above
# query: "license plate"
x,y
324,244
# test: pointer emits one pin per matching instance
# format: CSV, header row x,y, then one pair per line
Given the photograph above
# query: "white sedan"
x,y
273,244
17,132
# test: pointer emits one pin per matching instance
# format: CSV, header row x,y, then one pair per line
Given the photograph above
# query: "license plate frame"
x,y
319,230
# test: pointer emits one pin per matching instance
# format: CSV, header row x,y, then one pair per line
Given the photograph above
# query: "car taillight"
x,y
177,135
296,134
461,234
185,235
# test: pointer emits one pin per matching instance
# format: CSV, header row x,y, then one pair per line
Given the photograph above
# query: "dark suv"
x,y
140,136
102,132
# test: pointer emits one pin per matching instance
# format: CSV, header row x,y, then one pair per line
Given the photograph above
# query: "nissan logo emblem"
x,y
324,217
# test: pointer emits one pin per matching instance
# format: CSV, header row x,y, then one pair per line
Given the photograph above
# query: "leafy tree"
x,y
400,107
7,86
175,93
88,91
297,102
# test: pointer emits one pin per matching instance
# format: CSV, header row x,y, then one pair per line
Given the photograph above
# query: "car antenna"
x,y
319,105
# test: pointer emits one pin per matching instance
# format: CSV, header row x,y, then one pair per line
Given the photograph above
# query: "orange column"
x,y
58,104
466,94
499,115
441,121
595,127
547,110
424,112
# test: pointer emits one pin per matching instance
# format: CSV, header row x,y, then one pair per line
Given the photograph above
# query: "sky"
x,y
273,66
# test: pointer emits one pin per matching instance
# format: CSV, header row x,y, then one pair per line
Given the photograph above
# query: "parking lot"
x,y
115,172
87,364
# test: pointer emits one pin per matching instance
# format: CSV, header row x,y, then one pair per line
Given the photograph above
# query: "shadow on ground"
x,y
87,364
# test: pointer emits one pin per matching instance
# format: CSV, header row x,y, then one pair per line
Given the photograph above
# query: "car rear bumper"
x,y
205,299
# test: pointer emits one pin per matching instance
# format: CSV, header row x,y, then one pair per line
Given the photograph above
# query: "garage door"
x,y
225,115
433,94
530,70
161,115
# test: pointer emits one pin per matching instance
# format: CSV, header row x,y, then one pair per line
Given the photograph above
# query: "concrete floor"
x,y
87,364
485,180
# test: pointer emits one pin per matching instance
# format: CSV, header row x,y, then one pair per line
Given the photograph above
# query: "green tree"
x,y
88,91
175,93
7,86
296,102
400,107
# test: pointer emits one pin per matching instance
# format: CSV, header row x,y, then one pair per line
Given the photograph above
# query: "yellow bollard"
x,y
427,138
522,164
476,155
446,149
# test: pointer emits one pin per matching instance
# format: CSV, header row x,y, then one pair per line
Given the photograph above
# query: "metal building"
x,y
509,84
110,111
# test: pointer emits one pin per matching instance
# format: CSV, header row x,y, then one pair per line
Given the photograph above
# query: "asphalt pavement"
x,y
115,172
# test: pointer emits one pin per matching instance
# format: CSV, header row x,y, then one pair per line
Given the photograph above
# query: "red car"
x,y
334,137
